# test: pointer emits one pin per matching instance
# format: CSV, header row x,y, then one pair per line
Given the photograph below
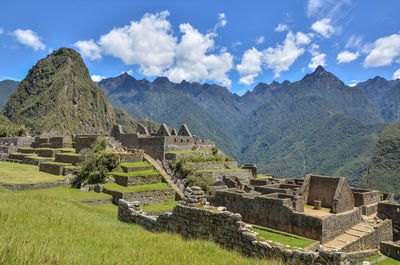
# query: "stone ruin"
x,y
164,140
193,218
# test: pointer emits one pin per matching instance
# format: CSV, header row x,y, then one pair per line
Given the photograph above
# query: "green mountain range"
x,y
315,125
7,87
59,95
384,168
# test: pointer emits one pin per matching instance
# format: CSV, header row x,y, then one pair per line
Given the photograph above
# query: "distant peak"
x,y
319,69
376,78
161,80
275,83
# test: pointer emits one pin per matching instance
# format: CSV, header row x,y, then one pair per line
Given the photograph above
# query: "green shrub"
x,y
96,163
203,180
214,150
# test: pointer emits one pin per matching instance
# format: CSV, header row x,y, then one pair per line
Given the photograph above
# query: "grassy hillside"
x,y
7,87
49,227
384,167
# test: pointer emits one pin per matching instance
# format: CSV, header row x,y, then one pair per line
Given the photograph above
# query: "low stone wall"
x,y
8,149
17,156
227,230
213,165
35,160
56,169
17,141
369,209
133,156
134,169
47,152
97,202
391,249
33,186
382,232
145,197
67,158
243,176
137,180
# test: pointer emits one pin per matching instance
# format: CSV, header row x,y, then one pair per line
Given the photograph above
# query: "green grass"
x,y
38,228
136,164
137,173
282,237
159,207
224,169
108,209
20,173
70,154
68,193
137,188
383,260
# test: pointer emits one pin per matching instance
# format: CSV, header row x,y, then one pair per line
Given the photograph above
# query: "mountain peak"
x,y
320,69
162,80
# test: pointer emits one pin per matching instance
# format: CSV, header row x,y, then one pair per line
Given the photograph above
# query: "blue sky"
x,y
231,43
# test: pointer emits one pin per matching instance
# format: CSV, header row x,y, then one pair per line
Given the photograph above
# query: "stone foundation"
x,y
144,197
137,180
67,158
55,169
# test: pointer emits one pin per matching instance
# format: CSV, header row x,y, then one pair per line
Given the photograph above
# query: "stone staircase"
x,y
350,236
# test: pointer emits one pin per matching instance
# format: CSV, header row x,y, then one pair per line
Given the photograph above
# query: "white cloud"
x,y
318,57
260,40
29,38
396,75
250,66
302,38
89,49
323,27
148,43
352,83
193,61
221,21
1,30
326,8
97,78
346,56
354,42
384,51
281,27
283,56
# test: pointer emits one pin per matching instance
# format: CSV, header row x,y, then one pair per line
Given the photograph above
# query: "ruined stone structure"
x,y
196,220
162,141
319,207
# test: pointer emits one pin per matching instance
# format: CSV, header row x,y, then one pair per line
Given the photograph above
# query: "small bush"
x,y
96,163
214,150
204,181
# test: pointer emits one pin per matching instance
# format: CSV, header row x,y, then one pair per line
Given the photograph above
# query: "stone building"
x,y
157,144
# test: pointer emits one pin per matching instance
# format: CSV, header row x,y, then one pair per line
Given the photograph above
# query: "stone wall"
x,y
33,186
145,197
84,141
60,142
227,230
49,167
212,165
278,213
390,210
391,249
17,141
364,196
137,180
333,192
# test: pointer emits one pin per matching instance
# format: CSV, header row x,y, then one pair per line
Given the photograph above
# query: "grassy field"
x,y
21,173
381,260
223,170
155,186
282,237
40,227
159,207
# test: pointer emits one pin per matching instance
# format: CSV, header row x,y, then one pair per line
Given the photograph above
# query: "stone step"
x,y
18,156
36,160
26,150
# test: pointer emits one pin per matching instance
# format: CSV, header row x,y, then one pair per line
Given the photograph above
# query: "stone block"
x,y
317,205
